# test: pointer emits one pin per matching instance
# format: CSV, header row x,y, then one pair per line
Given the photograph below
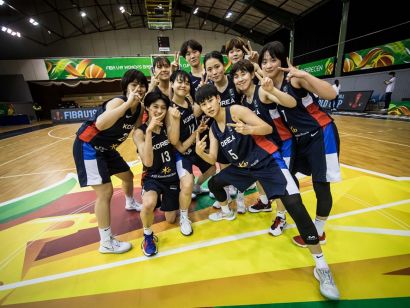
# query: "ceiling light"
x,y
4,29
229,15
18,34
49,32
33,22
9,30
1,2
196,10
122,10
83,14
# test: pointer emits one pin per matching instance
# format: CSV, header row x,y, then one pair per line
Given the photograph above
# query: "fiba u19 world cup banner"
x,y
100,68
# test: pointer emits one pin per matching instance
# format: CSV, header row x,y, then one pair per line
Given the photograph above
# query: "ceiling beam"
x,y
141,14
105,15
279,15
256,36
223,16
210,8
39,22
240,16
190,14
125,18
63,16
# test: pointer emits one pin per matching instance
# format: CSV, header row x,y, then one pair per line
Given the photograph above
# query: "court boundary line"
x,y
383,175
194,246
68,177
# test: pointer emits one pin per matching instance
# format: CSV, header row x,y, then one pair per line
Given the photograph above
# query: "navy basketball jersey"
x,y
164,163
244,151
187,125
110,138
307,116
269,113
195,84
229,96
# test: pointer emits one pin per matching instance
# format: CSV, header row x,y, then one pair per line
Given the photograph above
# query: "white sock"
x,y
147,231
320,260
184,213
264,199
225,209
129,199
105,233
281,214
240,196
320,226
226,188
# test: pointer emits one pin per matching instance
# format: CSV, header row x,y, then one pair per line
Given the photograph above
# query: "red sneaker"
x,y
298,240
260,207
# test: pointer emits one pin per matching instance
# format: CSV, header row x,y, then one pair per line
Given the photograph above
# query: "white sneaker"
x,y
197,190
133,206
277,227
113,245
221,215
240,204
185,224
193,196
253,186
216,205
327,284
211,195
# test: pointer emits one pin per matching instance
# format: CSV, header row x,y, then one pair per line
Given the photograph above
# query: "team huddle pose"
x,y
261,124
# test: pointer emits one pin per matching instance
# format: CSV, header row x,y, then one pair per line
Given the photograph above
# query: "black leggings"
x,y
292,203
298,212
324,198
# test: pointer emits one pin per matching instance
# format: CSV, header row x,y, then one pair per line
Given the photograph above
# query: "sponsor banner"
x,y
399,108
349,101
100,68
319,68
72,115
395,53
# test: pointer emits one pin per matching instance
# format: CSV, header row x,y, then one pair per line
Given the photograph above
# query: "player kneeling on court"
x,y
254,157
160,182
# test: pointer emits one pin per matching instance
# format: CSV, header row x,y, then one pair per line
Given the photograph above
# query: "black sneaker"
x,y
260,207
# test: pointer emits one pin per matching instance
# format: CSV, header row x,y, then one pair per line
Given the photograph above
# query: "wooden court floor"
x,y
48,229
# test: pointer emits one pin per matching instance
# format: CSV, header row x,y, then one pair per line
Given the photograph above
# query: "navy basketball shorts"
x,y
317,154
185,163
168,193
94,167
272,173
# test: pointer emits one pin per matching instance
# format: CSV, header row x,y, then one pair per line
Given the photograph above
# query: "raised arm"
x,y
269,94
200,147
302,79
172,123
246,122
115,109
144,146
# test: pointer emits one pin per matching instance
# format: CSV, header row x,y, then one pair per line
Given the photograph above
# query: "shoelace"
x,y
114,241
277,221
327,277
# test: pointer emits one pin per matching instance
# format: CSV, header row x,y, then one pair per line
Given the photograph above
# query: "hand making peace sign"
x,y
252,54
